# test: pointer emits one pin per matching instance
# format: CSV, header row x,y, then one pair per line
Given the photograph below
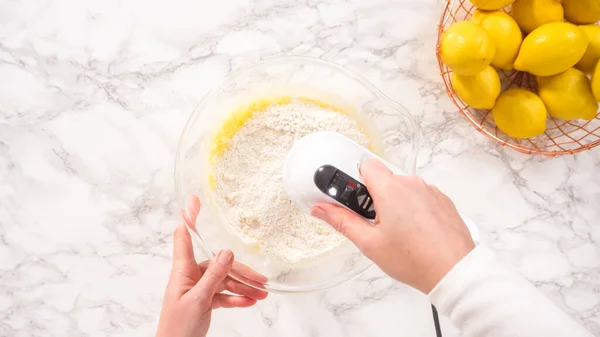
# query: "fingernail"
x,y
363,159
225,256
318,213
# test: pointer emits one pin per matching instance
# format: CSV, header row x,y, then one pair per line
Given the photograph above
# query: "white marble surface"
x,y
93,95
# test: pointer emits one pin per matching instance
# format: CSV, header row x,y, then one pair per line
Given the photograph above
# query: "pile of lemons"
x,y
533,38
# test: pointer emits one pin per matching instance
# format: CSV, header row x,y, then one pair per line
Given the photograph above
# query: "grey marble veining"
x,y
93,95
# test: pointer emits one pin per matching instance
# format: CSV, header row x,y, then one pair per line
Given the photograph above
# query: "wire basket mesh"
x,y
561,137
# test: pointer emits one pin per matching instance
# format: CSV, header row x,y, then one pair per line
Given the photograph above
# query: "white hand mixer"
x,y
324,167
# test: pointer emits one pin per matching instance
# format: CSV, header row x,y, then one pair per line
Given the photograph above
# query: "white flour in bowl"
x,y
249,187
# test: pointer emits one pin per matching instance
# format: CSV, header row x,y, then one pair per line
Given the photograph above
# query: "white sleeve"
x,y
482,298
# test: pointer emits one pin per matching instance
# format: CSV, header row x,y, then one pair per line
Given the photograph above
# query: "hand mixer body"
x,y
324,167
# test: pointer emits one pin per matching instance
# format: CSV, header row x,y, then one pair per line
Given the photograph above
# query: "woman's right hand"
x,y
418,235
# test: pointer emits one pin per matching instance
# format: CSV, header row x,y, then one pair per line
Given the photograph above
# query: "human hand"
x,y
194,290
418,235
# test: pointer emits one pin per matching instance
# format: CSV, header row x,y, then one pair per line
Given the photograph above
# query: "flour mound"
x,y
249,182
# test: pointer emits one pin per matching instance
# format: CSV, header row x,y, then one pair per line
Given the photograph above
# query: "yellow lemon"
x,y
491,5
505,33
479,91
592,53
596,82
466,48
552,49
520,113
582,12
531,14
568,95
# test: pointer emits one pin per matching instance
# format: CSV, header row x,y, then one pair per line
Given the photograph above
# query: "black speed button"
x,y
346,194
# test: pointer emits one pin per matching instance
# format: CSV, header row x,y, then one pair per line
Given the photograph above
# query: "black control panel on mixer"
x,y
346,190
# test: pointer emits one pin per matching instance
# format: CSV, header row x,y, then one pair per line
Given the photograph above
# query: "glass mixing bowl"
x,y
393,133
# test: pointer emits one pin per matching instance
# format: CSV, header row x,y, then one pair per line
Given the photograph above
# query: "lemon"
x,y
491,5
531,14
596,82
466,48
505,34
520,113
552,49
592,53
479,91
568,95
582,12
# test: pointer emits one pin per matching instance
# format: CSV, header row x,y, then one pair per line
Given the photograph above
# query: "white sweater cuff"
x,y
483,298
458,278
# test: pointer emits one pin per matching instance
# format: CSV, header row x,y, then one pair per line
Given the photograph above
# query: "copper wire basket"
x,y
561,137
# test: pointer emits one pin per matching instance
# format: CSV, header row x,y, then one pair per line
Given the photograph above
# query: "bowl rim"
x,y
229,77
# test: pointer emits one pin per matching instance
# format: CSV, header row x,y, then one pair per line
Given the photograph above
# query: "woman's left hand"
x,y
194,290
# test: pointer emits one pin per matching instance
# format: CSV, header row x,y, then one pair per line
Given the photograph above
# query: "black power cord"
x,y
436,322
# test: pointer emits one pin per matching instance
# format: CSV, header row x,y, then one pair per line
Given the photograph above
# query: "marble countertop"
x,y
94,94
